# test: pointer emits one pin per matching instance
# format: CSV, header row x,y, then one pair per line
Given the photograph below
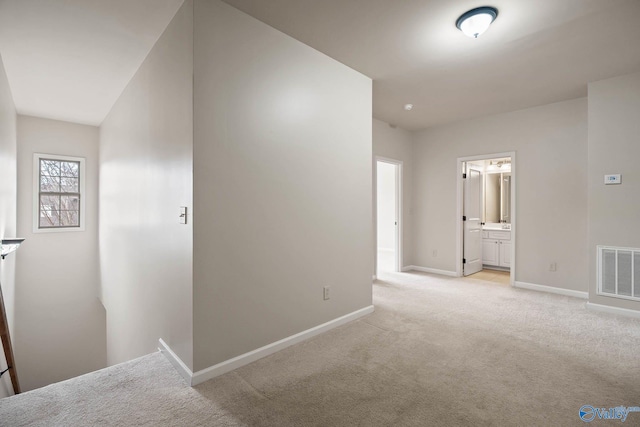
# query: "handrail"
x,y
8,349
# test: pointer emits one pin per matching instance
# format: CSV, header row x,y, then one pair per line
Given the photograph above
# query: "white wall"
x,y
282,186
551,194
8,188
59,321
386,212
397,144
146,154
614,147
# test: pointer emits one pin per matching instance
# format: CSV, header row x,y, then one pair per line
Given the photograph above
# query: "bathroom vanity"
x,y
496,247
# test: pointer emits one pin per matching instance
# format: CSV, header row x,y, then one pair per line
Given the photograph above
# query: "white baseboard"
x,y
195,378
552,290
177,363
613,310
430,270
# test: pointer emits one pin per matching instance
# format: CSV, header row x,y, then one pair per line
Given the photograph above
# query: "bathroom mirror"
x,y
497,198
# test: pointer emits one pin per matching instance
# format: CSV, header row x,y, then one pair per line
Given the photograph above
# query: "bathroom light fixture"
x,y
408,107
500,163
476,21
9,245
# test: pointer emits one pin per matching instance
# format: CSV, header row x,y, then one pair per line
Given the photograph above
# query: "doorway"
x,y
388,215
486,207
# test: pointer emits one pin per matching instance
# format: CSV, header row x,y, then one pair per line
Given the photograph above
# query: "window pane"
x,y
70,169
49,219
49,203
68,185
49,183
69,203
59,192
69,218
49,167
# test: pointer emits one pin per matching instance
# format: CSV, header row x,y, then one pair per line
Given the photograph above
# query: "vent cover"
x,y
619,272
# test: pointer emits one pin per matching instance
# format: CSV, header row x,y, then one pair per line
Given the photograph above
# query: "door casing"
x,y
460,203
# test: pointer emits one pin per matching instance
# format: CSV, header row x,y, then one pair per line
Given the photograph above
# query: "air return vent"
x,y
619,272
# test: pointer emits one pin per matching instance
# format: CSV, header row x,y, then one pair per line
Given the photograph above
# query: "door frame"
x,y
460,203
398,248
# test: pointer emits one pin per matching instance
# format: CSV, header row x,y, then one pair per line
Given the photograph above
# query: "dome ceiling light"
x,y
476,21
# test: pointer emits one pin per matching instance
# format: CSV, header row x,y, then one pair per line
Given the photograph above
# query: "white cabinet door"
x,y
505,253
490,252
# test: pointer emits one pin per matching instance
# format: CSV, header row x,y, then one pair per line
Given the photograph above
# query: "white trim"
x,y
552,290
35,188
613,310
244,359
177,363
195,378
460,225
430,270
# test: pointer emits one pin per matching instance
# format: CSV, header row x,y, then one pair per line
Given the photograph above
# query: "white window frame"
x,y
36,193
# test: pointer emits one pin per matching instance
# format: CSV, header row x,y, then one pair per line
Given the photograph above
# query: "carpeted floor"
x,y
437,351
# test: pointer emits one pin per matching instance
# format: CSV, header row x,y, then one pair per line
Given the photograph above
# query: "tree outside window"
x,y
59,192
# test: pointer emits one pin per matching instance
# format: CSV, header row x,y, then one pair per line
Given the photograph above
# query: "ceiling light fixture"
x,y
408,107
476,21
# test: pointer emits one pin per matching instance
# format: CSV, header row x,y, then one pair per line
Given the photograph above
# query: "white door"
x,y
387,179
472,253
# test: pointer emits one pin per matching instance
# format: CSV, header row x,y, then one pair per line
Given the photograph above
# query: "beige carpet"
x,y
437,351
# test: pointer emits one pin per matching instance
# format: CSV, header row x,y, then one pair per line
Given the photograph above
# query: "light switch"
x,y
183,214
613,179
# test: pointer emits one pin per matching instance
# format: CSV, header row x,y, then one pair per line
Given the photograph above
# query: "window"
x,y
58,193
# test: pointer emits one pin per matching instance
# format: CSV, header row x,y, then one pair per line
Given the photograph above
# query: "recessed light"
x,y
476,21
408,107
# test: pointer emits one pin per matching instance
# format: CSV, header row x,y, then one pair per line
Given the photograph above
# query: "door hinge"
x,y
464,176
464,218
464,261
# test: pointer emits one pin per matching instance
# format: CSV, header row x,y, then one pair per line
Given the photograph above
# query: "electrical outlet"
x,y
325,292
553,266
435,253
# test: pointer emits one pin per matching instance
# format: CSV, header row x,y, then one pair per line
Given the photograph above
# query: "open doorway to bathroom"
x,y
486,207
388,215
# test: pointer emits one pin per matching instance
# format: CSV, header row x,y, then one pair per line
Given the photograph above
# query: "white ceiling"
x,y
535,53
71,59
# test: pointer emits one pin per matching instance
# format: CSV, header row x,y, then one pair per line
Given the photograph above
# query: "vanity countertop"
x,y
495,227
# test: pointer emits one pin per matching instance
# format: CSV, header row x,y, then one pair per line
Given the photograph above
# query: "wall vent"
x,y
619,272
